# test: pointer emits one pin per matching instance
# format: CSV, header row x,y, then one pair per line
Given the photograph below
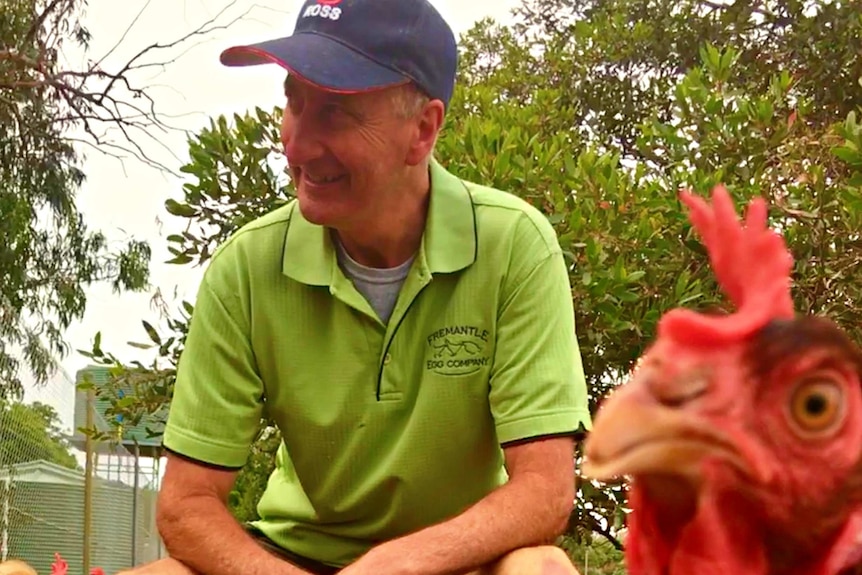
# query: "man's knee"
x,y
539,560
166,566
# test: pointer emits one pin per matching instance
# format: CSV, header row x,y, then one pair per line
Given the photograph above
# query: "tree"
x,y
48,114
252,479
597,557
588,112
650,96
32,432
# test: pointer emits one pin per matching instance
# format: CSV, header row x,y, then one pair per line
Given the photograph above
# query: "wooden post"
x,y
135,488
88,485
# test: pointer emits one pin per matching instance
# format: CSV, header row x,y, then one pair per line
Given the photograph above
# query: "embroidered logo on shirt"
x,y
457,350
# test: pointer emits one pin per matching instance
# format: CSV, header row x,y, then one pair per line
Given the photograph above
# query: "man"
x,y
411,333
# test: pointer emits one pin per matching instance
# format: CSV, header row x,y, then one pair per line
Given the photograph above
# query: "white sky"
x,y
129,200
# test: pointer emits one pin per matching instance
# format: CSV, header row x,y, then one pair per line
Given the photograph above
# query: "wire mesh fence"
x,y
93,502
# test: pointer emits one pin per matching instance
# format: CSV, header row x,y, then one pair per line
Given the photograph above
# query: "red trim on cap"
x,y
238,50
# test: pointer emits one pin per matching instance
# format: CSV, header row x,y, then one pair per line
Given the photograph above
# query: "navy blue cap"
x,y
354,46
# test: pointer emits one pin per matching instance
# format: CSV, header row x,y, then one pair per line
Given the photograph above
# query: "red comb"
x,y
59,566
750,262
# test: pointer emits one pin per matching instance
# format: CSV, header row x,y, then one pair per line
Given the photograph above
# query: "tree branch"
x,y
94,97
597,527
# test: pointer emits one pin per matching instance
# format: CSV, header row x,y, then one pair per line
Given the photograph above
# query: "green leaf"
x,y
180,259
848,154
154,336
177,209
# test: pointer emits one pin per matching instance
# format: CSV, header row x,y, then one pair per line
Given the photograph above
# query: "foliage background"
x,y
32,432
597,112
48,255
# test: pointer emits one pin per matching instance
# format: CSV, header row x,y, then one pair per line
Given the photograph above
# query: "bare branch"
x,y
122,36
94,100
597,526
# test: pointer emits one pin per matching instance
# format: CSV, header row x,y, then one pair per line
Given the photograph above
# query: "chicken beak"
x,y
635,434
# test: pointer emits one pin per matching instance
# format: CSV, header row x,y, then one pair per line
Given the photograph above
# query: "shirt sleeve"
x,y
537,384
217,401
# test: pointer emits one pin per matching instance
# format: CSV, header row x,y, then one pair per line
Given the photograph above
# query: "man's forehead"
x,y
294,84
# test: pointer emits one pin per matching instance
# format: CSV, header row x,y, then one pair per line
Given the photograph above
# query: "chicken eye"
x,y
816,406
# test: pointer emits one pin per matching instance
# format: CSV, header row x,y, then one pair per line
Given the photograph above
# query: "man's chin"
x,y
311,213
319,211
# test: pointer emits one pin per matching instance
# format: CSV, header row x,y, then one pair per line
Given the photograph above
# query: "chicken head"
x,y
741,434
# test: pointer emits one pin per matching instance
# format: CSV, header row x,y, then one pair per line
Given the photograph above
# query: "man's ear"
x,y
429,121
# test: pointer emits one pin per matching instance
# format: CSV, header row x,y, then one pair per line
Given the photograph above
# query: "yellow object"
x,y
16,567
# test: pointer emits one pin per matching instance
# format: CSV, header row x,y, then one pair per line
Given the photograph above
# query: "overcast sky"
x,y
127,199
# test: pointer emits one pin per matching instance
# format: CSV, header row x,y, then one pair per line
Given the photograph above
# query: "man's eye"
x,y
336,113
333,110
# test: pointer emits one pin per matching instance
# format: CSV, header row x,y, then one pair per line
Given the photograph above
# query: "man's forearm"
x,y
201,533
523,512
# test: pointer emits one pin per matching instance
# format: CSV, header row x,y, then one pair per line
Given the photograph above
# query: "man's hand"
x,y
532,509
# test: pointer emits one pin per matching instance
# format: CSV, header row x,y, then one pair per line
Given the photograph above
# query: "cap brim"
x,y
318,60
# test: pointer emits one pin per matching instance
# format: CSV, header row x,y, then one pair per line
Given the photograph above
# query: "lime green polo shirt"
x,y
386,428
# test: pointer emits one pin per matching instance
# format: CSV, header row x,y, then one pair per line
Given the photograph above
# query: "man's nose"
x,y
301,139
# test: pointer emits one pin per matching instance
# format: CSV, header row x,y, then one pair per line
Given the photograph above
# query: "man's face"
x,y
347,153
